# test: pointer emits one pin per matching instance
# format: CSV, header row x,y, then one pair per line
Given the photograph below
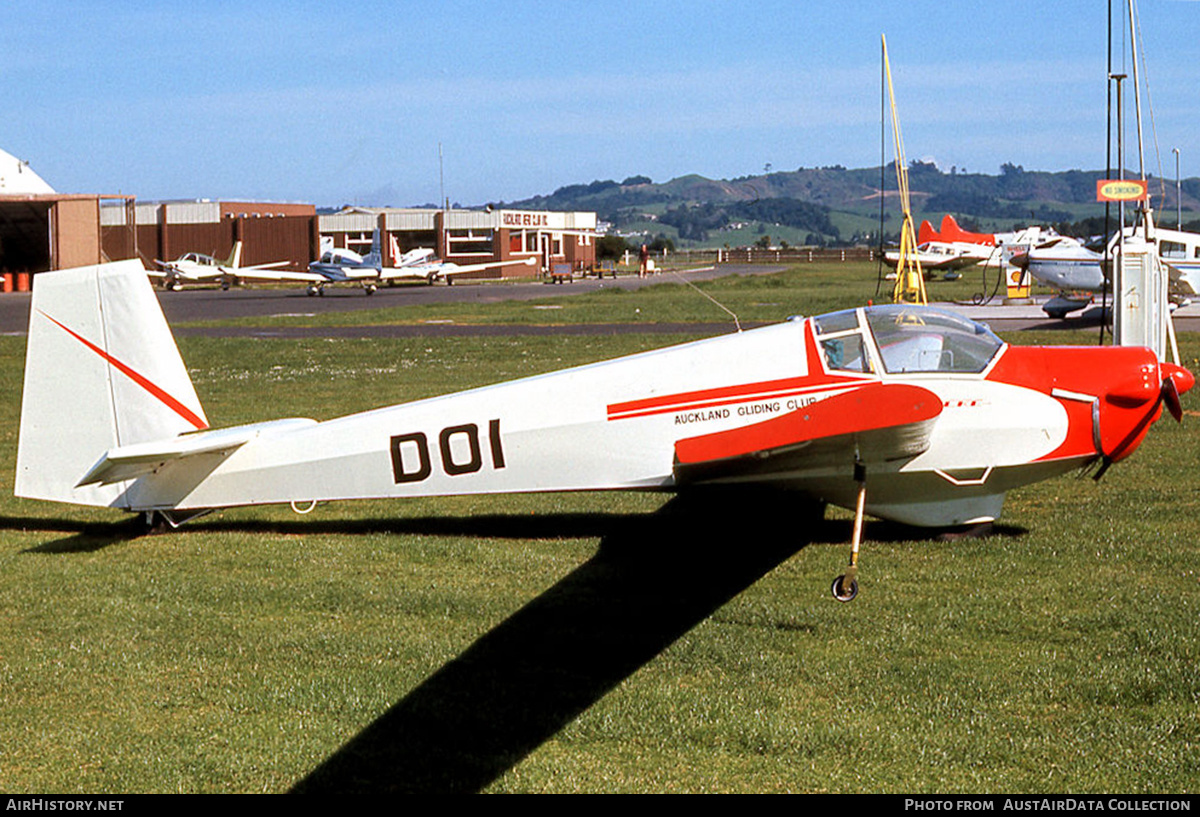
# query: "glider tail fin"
x,y
235,256
101,370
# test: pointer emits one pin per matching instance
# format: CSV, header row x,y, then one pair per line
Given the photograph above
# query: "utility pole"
x,y
1178,189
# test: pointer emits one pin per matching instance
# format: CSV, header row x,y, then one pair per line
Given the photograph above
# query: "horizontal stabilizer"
x,y
139,459
458,269
269,265
876,423
264,272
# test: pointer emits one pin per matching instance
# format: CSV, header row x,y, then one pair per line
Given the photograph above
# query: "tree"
x,y
610,247
660,243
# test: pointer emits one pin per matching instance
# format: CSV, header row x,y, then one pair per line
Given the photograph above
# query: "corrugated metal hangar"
x,y
44,230
269,231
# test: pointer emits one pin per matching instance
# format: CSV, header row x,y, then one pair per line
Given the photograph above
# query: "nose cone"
x,y
1175,381
1124,419
1182,378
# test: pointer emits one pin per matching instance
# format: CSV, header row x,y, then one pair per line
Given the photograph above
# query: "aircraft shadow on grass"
x,y
83,536
652,579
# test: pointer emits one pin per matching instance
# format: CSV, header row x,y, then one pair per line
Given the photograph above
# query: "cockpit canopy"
x,y
901,338
340,256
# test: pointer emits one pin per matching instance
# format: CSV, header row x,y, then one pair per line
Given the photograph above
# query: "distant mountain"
x,y
811,202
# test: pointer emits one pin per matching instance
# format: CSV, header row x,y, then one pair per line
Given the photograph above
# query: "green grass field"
x,y
808,289
593,642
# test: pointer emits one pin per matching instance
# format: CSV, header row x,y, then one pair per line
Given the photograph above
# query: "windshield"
x,y
919,339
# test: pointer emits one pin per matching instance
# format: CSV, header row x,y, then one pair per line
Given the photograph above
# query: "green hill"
x,y
837,206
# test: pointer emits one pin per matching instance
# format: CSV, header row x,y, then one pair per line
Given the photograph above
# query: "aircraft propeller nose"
x,y
1176,380
1020,259
1182,378
1134,402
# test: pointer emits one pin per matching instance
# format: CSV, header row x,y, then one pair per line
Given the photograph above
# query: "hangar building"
x,y
269,231
44,230
41,229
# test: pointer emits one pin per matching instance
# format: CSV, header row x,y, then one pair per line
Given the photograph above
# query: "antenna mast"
x,y
910,281
1141,309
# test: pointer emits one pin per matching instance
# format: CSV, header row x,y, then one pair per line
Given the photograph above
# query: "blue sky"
x,y
348,102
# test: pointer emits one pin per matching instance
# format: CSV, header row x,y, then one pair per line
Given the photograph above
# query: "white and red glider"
x,y
906,413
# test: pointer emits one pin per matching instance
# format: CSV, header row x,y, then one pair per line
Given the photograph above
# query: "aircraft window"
x,y
930,340
1172,249
836,322
845,353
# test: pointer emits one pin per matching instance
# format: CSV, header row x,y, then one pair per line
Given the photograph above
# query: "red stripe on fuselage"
x,y
817,380
708,398
156,391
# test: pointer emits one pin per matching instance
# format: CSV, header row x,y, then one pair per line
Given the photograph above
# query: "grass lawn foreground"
x,y
594,642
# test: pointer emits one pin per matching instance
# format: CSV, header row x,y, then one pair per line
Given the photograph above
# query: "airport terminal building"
x,y
553,239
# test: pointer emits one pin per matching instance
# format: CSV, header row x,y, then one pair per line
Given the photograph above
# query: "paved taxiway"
x,y
208,304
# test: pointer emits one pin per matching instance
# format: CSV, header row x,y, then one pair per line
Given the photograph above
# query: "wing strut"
x,y
845,587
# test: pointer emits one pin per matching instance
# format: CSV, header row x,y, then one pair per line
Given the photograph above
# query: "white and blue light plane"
x,y
341,266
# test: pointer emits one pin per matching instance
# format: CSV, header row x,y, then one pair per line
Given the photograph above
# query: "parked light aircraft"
x,y
908,413
937,255
340,266
1078,271
198,268
986,248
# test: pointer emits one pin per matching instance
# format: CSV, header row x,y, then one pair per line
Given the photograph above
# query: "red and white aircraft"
x,y
907,413
990,249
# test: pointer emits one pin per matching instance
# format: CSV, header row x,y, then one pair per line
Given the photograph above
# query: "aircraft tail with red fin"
x,y
952,232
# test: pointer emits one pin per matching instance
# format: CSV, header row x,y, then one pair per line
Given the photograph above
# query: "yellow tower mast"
x,y
910,281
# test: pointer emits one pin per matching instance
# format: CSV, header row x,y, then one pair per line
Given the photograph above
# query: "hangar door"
x,y
24,235
44,233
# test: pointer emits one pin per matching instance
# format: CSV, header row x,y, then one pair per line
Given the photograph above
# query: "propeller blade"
x,y
1170,396
1175,381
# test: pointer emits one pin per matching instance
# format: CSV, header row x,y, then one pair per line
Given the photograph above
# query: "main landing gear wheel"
x,y
845,587
843,592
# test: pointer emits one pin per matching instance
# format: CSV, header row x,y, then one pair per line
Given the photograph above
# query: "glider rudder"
x,y
101,370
